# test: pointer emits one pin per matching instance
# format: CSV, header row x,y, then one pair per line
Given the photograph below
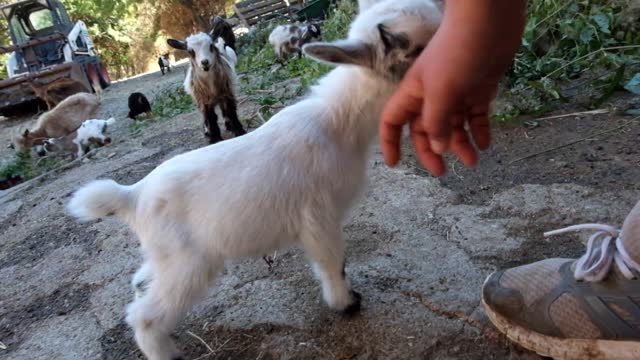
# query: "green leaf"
x,y
586,35
634,84
603,22
267,100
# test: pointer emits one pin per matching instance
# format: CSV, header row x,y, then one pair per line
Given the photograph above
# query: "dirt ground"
x,y
419,247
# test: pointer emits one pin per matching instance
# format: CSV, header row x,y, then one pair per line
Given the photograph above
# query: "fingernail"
x,y
438,147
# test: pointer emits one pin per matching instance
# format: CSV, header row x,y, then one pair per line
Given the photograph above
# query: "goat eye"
x,y
417,51
192,53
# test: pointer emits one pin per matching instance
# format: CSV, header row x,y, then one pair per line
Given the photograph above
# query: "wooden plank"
x,y
252,12
265,11
247,2
256,5
242,18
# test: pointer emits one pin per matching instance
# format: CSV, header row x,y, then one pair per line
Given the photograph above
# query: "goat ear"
x,y
177,44
391,40
25,133
342,52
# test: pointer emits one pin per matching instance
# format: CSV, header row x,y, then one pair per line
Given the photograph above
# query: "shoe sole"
x,y
563,349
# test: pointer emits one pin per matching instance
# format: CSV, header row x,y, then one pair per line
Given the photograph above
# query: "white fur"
x,y
279,39
292,181
227,51
92,130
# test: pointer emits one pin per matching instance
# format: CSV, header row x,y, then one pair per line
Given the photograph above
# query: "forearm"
x,y
489,23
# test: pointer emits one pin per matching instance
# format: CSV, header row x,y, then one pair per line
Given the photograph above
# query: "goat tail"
x,y
101,198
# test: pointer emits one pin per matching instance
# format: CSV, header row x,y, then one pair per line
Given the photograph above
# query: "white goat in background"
x,y
287,39
291,181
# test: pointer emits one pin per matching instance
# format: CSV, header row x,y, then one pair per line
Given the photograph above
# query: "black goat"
x,y
221,28
138,104
163,62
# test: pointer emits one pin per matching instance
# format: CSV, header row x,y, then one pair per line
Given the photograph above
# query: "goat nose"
x,y
205,62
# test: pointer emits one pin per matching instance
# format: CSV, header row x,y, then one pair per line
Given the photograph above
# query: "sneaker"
x,y
575,309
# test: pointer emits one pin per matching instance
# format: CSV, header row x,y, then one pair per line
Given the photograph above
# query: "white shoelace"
x,y
594,265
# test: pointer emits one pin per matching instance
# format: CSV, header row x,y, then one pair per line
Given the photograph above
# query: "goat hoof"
x,y
214,140
140,288
354,307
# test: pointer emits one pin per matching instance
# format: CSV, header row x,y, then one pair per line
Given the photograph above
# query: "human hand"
x,y
446,95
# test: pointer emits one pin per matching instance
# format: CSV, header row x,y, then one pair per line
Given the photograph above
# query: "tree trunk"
x,y
198,20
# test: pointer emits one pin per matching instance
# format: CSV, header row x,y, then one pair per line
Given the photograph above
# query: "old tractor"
x,y
51,56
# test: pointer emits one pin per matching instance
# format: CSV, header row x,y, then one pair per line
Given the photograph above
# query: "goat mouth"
x,y
205,68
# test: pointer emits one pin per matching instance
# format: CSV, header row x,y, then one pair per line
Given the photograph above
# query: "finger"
x,y
403,106
438,107
430,160
479,126
462,148
390,143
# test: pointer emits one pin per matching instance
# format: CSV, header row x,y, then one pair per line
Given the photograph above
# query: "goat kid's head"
x,y
202,51
48,146
218,26
386,38
21,141
312,31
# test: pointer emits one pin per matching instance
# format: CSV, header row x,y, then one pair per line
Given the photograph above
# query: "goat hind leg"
x,y
230,112
176,286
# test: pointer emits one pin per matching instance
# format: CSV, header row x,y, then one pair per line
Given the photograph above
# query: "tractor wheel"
x,y
105,80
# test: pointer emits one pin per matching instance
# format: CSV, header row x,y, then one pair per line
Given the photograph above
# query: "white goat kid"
x,y
196,210
287,39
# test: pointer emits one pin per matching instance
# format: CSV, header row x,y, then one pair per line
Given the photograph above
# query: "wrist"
x,y
487,22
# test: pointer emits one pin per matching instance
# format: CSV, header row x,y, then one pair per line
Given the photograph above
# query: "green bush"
x,y
172,102
568,48
26,167
257,58
595,41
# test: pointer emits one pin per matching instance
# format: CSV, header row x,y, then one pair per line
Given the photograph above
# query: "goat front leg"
x,y
324,245
230,112
212,130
